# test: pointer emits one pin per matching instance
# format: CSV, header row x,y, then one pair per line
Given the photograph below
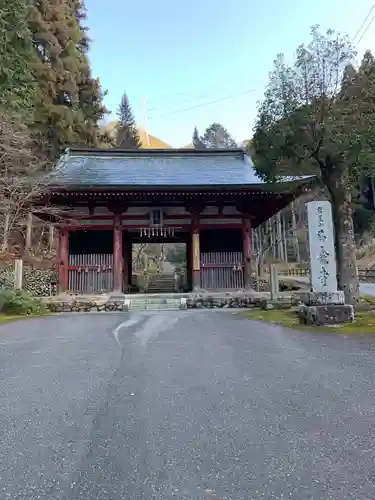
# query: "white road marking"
x,y
125,324
156,324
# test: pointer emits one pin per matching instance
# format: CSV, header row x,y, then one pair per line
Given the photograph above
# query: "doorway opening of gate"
x,y
154,263
159,267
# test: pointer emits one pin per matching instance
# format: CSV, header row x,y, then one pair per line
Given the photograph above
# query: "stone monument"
x,y
325,304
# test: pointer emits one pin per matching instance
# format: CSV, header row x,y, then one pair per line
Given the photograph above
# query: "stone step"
x,y
139,306
155,303
155,307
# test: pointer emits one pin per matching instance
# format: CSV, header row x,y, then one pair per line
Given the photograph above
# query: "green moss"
x,y
368,299
364,324
7,318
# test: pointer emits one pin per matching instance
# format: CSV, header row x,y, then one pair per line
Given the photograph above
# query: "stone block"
x,y
331,314
325,298
281,302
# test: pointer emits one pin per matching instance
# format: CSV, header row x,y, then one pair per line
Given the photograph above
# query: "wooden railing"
x,y
298,271
365,275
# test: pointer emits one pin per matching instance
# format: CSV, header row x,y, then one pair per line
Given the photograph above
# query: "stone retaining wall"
x,y
37,282
84,305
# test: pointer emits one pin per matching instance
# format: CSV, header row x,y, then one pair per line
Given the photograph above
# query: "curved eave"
x,y
281,188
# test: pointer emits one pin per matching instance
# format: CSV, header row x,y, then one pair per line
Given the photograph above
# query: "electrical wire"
x,y
367,27
363,24
191,95
201,105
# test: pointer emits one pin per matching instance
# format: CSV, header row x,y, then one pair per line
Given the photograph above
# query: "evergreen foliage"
x,y
215,136
17,83
126,134
68,105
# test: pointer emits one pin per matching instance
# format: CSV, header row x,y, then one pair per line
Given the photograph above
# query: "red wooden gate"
x,y
221,270
90,273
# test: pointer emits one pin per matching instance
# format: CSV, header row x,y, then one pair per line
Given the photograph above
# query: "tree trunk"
x,y
342,213
279,236
29,229
285,238
4,245
51,237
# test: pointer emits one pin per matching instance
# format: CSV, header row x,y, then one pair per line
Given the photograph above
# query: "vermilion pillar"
x,y
117,254
195,253
246,251
63,259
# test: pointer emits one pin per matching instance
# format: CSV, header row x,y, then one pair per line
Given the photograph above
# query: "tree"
x,y
22,177
127,134
217,136
16,78
197,141
310,121
69,101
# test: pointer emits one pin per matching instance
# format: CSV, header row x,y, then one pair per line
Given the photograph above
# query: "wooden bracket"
x,y
195,208
117,209
91,206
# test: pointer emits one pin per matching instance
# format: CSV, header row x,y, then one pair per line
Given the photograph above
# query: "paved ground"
x,y
183,406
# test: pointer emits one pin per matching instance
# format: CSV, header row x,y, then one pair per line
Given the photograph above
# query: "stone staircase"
x,y
155,302
162,283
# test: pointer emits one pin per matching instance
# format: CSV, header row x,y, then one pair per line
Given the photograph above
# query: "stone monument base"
x,y
330,314
325,298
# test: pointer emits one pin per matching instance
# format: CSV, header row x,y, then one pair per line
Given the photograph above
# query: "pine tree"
x,y
69,100
90,91
217,136
197,141
16,78
127,134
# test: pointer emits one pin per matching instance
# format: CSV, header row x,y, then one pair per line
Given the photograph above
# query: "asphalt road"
x,y
183,406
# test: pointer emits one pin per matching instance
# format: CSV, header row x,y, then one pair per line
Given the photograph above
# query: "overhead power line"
x,y
367,27
207,103
362,26
222,86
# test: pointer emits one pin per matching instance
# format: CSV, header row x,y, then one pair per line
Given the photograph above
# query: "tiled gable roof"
x,y
178,167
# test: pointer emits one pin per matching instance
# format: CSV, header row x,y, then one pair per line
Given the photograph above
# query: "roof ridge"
x,y
116,152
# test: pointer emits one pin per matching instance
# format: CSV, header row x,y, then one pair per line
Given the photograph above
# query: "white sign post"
x,y
322,250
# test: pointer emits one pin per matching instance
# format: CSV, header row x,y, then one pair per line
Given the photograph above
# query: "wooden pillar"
x,y
117,254
195,253
246,250
63,259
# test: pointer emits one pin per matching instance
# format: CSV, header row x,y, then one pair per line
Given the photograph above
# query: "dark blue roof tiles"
x,y
155,168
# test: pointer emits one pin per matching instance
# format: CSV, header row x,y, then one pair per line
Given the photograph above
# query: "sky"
x,y
187,64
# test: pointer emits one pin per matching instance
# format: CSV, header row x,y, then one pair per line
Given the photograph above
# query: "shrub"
x,y
19,302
